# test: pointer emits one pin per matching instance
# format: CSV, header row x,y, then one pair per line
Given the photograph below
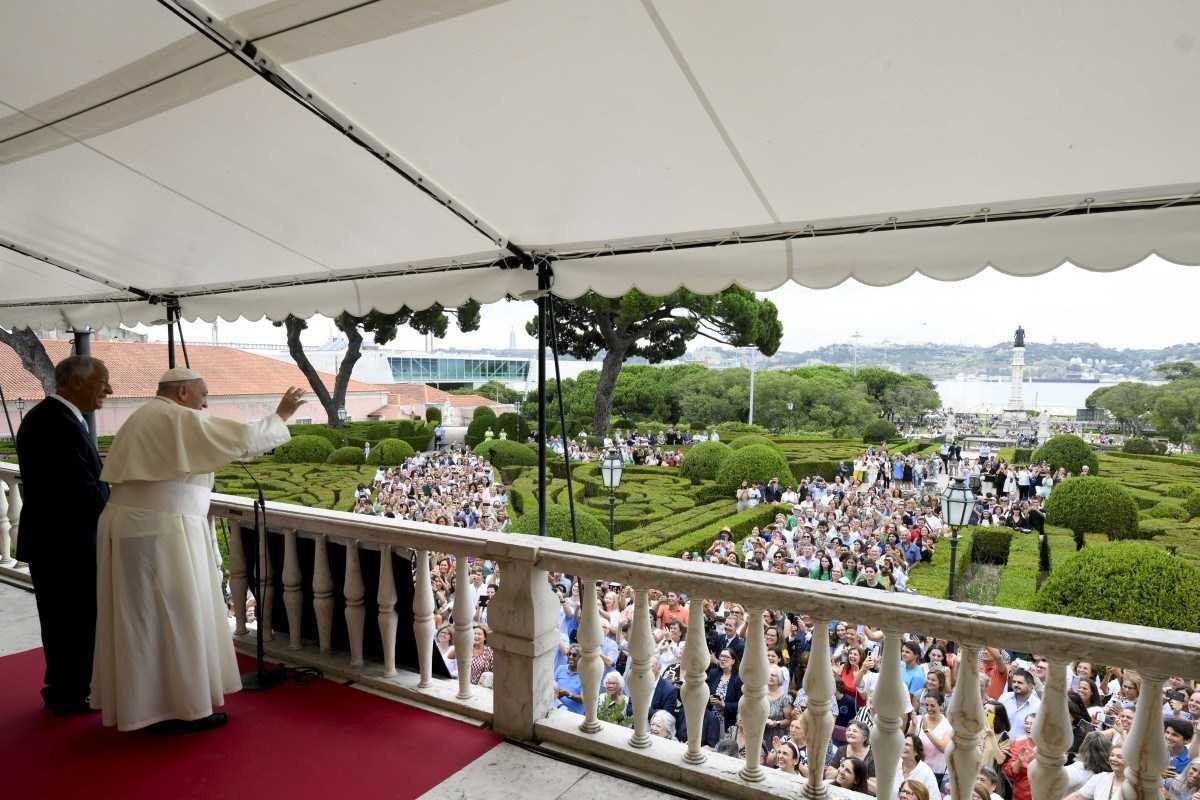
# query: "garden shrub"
x,y
739,524
1093,505
513,424
802,470
304,450
1129,582
991,545
416,432
758,462
433,415
1068,452
346,455
1151,528
478,428
483,411
335,436
732,430
1192,505
1166,510
623,424
390,452
507,453
748,439
1024,455
1180,491
879,430
484,448
701,462
1143,446
588,528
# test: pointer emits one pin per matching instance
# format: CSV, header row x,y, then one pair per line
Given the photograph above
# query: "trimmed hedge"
x,y
748,439
304,450
346,455
483,411
390,452
1068,452
1192,505
589,530
740,524
1143,446
757,462
991,545
477,429
931,579
727,431
516,427
802,470
507,453
701,462
335,436
1166,510
1018,583
879,430
1129,582
1180,491
433,415
1093,505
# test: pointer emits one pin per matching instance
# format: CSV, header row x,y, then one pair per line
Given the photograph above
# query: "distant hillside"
x,y
1059,361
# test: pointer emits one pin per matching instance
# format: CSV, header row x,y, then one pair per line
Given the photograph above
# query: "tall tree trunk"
x,y
33,355
331,403
614,358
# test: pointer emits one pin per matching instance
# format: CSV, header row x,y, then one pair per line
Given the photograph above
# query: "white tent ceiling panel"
x,y
843,114
577,126
268,167
27,278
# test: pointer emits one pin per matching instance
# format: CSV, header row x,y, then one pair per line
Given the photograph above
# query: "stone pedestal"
x,y
1015,401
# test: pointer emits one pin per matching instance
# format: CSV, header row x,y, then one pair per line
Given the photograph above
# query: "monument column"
x,y
1015,401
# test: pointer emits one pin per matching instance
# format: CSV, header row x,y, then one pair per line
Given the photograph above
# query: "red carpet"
x,y
315,740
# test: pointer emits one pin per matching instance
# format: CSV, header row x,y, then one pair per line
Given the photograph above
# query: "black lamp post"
x,y
957,502
21,408
791,419
611,466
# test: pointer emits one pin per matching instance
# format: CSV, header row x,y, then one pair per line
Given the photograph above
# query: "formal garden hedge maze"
x,y
316,485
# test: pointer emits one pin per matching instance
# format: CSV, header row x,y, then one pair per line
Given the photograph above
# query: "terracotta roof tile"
x,y
135,368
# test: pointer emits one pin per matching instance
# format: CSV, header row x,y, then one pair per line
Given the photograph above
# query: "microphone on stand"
x,y
261,678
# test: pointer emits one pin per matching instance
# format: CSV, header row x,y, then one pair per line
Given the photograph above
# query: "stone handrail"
x,y
524,622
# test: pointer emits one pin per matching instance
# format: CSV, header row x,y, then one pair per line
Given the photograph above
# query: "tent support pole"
x,y
170,337
543,301
83,347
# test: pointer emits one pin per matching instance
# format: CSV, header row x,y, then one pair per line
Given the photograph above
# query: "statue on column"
x,y
1019,338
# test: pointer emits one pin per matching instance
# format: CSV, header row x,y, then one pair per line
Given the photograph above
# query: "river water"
x,y
989,396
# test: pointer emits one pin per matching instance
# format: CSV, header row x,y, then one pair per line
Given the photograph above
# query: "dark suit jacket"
x,y
733,693
60,482
665,698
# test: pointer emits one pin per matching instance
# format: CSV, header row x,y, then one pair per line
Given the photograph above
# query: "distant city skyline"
x,y
1141,306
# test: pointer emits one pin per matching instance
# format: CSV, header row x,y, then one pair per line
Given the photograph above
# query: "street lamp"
x,y
610,474
957,503
21,408
791,407
342,415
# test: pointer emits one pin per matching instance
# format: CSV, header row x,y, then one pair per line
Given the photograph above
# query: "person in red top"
x,y
1016,768
672,611
991,663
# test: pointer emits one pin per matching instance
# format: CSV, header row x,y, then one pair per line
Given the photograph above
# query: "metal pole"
x,y
612,520
753,362
543,279
170,337
562,418
953,561
83,347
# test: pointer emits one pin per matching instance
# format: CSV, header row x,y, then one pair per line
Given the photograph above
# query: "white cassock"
x,y
163,646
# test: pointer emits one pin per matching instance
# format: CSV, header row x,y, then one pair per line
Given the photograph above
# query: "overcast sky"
x,y
1150,305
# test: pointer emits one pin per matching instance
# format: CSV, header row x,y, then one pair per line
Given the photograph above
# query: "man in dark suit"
x,y
60,477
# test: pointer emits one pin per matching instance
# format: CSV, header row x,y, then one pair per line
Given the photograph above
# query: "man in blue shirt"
x,y
911,672
1178,733
1020,702
568,686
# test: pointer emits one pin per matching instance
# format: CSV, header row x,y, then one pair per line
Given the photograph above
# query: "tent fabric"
x,y
135,148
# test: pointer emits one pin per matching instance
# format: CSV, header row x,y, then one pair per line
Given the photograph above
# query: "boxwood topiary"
x,y
513,424
1192,505
433,415
304,450
701,462
1068,452
748,439
991,545
733,429
1179,491
346,455
1140,445
484,448
1166,510
879,430
589,530
483,411
478,428
1093,505
390,452
1127,582
758,462
507,453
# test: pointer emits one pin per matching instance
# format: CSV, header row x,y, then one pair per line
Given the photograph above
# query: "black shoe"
x,y
171,727
69,708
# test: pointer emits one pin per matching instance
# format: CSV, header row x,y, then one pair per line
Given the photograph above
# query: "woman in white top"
x,y
1104,785
1092,759
935,732
912,768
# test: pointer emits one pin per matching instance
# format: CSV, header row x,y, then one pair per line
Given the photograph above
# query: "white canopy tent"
x,y
174,150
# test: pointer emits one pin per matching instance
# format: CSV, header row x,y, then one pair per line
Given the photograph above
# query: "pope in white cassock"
x,y
164,654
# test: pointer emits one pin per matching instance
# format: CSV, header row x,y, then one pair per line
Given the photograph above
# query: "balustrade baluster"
x,y
323,593
15,504
591,666
6,559
423,628
891,704
695,684
818,686
641,676
1053,734
265,607
388,619
967,718
356,612
464,628
239,584
293,598
1145,749
752,708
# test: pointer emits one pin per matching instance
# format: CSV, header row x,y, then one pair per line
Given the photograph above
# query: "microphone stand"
x,y
261,678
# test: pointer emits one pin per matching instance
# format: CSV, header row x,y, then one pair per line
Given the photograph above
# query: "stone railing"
x,y
316,563
10,523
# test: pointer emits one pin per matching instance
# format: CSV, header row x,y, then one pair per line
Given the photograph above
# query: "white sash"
x,y
168,497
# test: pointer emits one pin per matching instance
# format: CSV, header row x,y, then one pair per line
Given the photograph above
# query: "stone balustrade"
x,y
524,621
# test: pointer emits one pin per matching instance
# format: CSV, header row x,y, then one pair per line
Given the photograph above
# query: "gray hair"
x,y
620,680
1094,751
73,367
667,720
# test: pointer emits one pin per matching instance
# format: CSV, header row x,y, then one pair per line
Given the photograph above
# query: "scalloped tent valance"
x,y
298,156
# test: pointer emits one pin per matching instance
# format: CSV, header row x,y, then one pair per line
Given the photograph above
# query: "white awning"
x,y
300,156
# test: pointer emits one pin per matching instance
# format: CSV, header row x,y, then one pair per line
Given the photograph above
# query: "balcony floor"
x,y
504,771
